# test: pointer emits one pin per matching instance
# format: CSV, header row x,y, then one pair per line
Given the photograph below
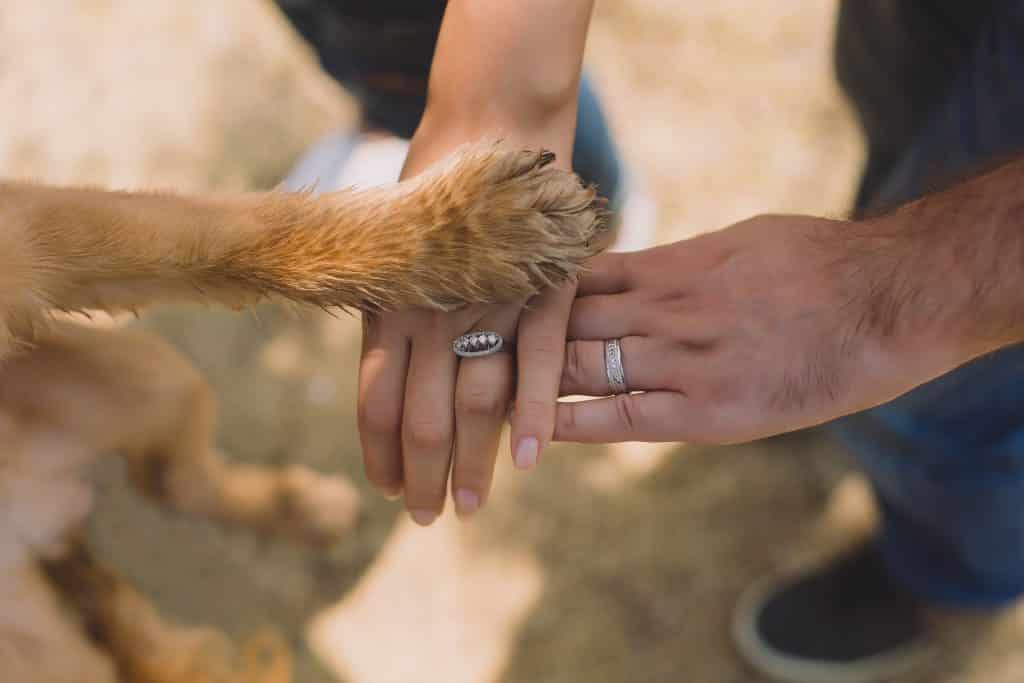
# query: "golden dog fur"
x,y
491,224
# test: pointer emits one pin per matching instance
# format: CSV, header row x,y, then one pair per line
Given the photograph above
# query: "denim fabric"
x,y
947,460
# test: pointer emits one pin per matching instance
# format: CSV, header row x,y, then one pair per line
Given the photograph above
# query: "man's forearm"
x,y
946,269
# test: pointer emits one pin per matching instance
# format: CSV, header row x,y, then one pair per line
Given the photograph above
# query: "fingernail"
x,y
466,502
423,517
392,494
526,453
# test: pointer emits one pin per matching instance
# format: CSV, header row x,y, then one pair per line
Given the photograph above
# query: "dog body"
x,y
488,226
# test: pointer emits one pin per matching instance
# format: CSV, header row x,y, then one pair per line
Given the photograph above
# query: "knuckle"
x,y
543,344
573,370
534,409
375,420
379,326
427,437
480,401
625,408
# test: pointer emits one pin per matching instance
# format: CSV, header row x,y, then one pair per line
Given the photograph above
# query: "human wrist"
x,y
444,128
907,300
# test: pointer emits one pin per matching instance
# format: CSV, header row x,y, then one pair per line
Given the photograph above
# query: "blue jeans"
x,y
946,461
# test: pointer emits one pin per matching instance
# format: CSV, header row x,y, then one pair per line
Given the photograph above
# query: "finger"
x,y
654,416
382,369
541,353
427,421
605,317
606,273
648,365
482,395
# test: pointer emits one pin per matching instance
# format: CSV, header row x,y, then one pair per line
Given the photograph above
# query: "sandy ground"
x,y
606,564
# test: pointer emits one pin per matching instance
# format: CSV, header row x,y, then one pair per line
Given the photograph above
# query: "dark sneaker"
x,y
847,622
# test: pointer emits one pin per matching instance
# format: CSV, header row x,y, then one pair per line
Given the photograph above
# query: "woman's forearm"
x,y
508,69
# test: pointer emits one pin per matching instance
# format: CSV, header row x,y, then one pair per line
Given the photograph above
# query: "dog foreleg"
x,y
126,392
489,225
147,649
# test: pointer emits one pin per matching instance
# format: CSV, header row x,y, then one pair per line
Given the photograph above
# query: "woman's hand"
x,y
423,411
764,327
507,70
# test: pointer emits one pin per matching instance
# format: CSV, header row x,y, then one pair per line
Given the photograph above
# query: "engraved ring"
x,y
613,366
480,343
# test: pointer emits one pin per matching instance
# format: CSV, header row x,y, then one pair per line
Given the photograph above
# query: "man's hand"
x,y
771,325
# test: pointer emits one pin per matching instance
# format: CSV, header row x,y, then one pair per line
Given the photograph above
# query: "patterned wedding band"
x,y
613,366
480,343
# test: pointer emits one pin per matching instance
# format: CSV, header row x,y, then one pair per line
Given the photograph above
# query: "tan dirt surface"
x,y
605,564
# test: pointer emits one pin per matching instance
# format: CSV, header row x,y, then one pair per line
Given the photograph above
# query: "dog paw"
x,y
500,224
490,224
317,508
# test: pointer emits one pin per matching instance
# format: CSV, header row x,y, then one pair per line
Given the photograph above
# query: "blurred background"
x,y
606,563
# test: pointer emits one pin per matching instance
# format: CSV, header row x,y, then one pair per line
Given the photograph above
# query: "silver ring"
x,y
479,343
613,366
